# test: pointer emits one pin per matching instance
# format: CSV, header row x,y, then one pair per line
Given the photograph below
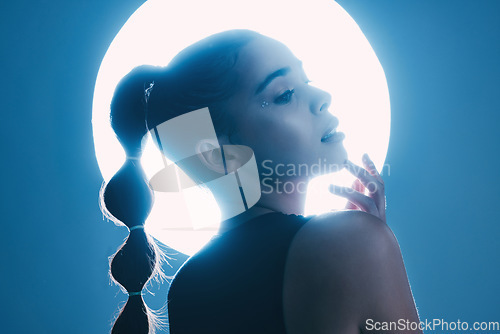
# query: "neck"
x,y
285,202
235,221
277,200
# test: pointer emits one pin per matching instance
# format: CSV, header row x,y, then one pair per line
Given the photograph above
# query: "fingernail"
x,y
366,157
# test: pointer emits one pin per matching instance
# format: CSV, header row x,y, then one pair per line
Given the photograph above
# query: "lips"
x,y
330,130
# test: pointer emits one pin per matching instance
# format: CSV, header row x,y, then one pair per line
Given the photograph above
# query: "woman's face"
x,y
283,118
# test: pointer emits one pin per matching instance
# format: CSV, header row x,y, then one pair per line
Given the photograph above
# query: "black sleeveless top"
x,y
234,285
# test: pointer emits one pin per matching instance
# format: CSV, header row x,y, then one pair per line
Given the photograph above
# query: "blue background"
x,y
442,61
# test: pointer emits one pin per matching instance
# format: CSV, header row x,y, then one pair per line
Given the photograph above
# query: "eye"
x,y
285,97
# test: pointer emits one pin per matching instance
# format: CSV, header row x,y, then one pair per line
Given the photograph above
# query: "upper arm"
x,y
342,270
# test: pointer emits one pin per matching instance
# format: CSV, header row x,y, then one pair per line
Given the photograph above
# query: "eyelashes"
x,y
285,97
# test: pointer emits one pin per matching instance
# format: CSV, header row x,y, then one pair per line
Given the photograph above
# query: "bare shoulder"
x,y
329,271
341,229
343,243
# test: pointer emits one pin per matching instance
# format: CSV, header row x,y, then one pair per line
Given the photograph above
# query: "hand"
x,y
368,178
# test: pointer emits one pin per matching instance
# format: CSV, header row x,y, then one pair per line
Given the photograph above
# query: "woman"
x,y
270,269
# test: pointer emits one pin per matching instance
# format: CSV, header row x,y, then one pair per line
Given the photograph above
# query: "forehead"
x,y
261,57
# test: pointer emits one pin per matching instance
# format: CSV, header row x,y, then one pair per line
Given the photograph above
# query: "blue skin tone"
x,y
355,271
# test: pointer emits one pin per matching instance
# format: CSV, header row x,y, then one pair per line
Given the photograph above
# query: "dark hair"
x,y
199,76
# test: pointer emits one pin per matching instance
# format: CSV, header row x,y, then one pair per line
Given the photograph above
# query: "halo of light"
x,y
336,55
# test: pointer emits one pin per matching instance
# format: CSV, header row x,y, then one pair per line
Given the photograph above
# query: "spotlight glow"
x,y
335,54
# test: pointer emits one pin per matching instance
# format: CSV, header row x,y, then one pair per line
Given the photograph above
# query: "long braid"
x,y
199,76
128,199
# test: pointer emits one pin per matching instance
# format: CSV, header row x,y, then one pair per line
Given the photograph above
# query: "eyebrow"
x,y
281,72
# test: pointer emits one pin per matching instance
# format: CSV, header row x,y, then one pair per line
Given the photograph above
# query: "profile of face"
x,y
279,114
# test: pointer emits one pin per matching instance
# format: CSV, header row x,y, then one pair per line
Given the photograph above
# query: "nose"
x,y
320,100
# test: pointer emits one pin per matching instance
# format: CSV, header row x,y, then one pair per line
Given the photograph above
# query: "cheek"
x,y
279,137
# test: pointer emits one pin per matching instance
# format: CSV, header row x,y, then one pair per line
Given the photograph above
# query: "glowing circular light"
x,y
336,57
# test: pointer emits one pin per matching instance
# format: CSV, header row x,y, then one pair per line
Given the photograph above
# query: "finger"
x,y
368,180
372,169
351,206
365,203
375,188
380,196
356,185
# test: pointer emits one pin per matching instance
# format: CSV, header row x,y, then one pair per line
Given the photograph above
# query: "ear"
x,y
235,156
210,155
